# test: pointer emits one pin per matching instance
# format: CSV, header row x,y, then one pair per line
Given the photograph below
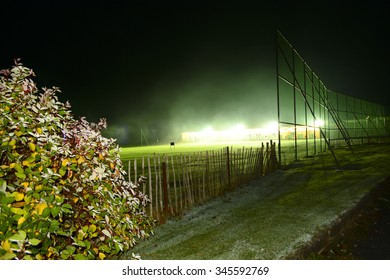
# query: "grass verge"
x,y
273,216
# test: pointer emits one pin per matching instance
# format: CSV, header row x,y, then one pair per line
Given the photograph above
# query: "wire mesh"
x,y
312,118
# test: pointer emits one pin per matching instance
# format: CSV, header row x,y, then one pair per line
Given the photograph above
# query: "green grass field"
x,y
128,153
131,153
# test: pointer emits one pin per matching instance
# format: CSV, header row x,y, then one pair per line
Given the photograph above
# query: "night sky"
x,y
171,66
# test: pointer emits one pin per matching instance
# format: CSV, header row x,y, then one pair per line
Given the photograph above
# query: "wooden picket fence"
x,y
175,183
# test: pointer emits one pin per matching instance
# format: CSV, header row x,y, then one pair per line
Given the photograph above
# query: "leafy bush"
x,y
62,188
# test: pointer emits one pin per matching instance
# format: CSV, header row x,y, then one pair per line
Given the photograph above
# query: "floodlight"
x,y
208,129
319,123
271,127
238,128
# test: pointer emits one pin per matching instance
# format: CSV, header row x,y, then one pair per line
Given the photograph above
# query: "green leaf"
x,y
71,249
20,175
8,256
18,168
54,225
80,243
79,257
63,170
87,244
20,236
46,212
67,206
34,241
84,229
27,199
7,200
55,211
50,198
62,233
104,248
65,254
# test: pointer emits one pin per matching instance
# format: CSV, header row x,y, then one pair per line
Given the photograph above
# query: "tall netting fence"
x,y
312,118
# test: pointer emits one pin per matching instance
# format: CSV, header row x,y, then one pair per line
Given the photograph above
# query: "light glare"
x,y
319,123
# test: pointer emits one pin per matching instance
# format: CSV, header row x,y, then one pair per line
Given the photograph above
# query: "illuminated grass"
x,y
132,152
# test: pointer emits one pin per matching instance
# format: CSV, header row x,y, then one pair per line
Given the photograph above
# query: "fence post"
x,y
228,166
165,188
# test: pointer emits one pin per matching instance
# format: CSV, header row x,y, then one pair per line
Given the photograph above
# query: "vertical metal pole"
x,y
326,113
228,166
314,111
277,96
338,111
305,91
295,107
319,107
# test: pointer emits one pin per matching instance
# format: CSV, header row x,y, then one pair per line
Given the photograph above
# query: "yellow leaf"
x,y
18,133
32,146
75,199
25,184
80,160
40,168
12,143
92,228
21,220
112,166
65,162
19,196
25,163
101,157
18,204
17,211
38,188
39,130
12,165
102,256
40,207
4,166
27,199
6,245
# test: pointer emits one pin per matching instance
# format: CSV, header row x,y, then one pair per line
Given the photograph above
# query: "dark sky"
x,y
168,66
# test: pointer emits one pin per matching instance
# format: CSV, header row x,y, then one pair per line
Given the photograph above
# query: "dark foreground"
x,y
367,235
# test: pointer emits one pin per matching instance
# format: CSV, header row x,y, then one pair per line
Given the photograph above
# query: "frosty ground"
x,y
276,216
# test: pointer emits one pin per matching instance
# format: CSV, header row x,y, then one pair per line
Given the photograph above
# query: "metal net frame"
x,y
312,118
